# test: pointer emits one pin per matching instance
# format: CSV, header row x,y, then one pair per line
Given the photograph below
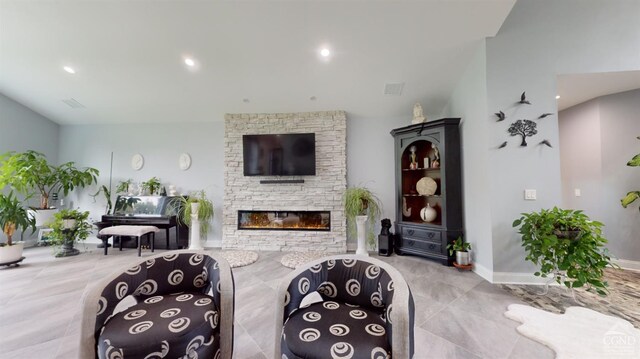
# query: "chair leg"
x,y
153,241
139,247
105,242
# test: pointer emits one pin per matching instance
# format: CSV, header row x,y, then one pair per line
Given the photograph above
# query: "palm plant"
x,y
14,216
360,201
152,185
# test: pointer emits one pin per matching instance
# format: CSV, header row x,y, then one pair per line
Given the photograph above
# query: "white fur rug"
x,y
295,259
579,333
239,258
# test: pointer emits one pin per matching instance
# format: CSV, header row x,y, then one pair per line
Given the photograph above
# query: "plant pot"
x,y
43,216
67,249
462,258
11,253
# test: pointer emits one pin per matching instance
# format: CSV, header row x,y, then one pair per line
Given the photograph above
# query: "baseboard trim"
x,y
628,264
518,278
483,271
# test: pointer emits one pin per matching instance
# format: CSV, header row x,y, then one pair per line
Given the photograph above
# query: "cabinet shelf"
x,y
422,195
420,169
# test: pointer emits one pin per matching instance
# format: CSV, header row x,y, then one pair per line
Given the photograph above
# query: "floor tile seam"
x,y
454,344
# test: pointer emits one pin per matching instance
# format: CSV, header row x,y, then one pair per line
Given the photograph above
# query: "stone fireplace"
x,y
261,214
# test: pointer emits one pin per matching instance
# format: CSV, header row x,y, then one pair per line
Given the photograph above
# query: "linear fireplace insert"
x,y
285,220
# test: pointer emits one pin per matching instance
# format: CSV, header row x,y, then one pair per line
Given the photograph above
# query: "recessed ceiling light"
x,y
189,62
313,98
325,52
69,69
245,100
557,97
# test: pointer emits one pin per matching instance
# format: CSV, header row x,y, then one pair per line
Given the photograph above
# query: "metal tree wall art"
x,y
524,128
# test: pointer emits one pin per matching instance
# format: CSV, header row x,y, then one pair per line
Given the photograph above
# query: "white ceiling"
x,y
128,56
578,88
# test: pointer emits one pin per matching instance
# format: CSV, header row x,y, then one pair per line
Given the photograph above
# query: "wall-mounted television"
x,y
291,154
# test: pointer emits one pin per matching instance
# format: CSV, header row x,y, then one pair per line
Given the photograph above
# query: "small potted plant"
x,y
151,186
13,216
567,246
361,206
125,186
195,211
633,195
29,173
69,226
462,249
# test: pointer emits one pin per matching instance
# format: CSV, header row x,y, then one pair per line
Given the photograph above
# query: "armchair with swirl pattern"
x,y
363,309
184,308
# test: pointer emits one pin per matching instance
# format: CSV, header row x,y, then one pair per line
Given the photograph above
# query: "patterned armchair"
x,y
363,309
185,304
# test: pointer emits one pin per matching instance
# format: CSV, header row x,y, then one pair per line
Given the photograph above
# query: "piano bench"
x,y
131,231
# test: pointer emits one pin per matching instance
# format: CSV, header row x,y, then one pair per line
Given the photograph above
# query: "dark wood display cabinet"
x,y
428,180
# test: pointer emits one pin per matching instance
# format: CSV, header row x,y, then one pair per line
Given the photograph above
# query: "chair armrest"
x,y
224,296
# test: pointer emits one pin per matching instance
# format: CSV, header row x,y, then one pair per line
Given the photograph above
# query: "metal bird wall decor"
x,y
501,116
503,145
544,115
523,99
546,142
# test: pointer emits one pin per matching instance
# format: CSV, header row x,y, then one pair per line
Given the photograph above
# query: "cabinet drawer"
x,y
421,234
415,244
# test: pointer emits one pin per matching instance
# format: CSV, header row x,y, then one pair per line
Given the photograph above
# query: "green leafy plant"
x,y
65,232
205,213
123,186
107,195
458,245
151,186
633,195
360,201
29,173
575,260
14,216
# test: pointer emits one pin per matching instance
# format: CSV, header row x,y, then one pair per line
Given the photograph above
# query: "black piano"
x,y
159,211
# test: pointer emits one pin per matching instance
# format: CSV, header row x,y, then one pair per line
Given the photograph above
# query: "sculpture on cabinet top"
x,y
418,114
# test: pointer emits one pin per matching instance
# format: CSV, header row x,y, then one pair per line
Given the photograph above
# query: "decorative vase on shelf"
x,y
361,231
428,213
194,234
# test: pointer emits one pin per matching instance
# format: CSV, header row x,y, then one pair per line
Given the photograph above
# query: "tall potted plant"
x,y
30,174
69,226
567,246
362,209
152,186
633,195
13,216
196,211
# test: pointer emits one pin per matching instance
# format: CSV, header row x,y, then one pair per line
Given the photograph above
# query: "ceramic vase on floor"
x,y
194,233
362,234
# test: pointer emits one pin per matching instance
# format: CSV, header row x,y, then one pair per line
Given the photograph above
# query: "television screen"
x,y
292,154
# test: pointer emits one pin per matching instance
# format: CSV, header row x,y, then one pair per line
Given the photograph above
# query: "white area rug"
x,y
295,259
578,333
239,258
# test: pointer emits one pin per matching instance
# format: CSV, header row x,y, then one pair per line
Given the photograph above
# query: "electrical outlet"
x,y
577,192
530,194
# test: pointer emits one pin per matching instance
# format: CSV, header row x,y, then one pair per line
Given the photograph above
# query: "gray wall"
x,y
369,158
22,129
597,139
469,101
538,40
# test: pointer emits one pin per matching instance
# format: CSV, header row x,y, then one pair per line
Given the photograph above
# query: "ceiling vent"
x,y
394,89
73,103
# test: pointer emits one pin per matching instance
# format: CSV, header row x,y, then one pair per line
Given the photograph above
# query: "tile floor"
x,y
458,315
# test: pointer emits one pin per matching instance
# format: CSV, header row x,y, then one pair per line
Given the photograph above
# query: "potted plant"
x,y
69,226
13,216
29,173
462,249
195,211
151,186
633,195
124,187
361,206
567,246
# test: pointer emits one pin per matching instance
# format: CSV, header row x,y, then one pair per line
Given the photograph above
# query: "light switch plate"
x,y
577,192
530,194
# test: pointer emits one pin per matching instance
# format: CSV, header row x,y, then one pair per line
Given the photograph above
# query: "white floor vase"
x,y
194,233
